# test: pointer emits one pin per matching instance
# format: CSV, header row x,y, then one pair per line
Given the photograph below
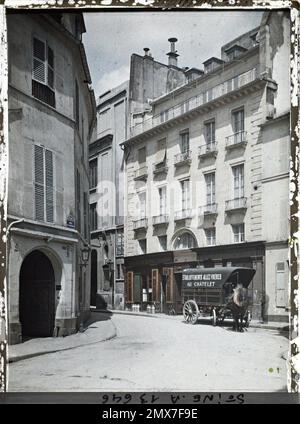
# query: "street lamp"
x,y
85,254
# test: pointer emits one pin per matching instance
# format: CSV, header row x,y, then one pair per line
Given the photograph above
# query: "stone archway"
x,y
37,295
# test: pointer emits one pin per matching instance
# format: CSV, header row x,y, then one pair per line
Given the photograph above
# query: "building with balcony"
x,y
51,120
216,133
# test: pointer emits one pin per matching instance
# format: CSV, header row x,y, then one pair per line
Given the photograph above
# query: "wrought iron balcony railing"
x,y
182,158
141,173
236,139
140,223
160,219
210,209
184,214
208,149
194,102
234,204
159,168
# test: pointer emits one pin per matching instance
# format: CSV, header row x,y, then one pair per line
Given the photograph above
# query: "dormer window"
x,y
234,51
211,64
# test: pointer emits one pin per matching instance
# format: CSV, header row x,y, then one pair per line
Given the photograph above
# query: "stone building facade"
x,y
118,110
207,175
51,119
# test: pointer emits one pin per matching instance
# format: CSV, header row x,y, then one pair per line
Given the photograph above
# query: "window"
x,y
143,246
238,181
210,234
210,188
162,191
93,173
43,72
142,156
43,184
120,275
185,194
184,141
76,105
142,204
238,125
160,158
78,200
238,233
185,241
162,242
85,215
93,216
209,133
104,121
120,244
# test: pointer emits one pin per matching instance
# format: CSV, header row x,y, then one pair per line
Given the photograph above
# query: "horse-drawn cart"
x,y
218,293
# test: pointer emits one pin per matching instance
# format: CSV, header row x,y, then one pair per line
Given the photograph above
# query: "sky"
x,y
111,39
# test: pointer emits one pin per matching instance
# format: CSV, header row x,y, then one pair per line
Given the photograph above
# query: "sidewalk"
x,y
95,332
280,326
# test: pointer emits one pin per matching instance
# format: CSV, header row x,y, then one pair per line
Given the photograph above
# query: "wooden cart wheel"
x,y
190,312
247,319
214,317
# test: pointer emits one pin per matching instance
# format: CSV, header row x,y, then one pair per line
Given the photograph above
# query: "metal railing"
x,y
184,214
160,219
208,209
141,173
236,139
195,101
207,149
239,203
181,158
140,223
160,167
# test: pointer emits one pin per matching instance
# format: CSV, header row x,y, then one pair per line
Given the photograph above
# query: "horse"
x,y
238,304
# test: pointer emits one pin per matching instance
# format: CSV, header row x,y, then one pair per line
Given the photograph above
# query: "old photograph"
x,y
148,211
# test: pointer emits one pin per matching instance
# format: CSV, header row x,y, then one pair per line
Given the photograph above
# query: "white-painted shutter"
x,y
39,182
49,186
281,285
39,60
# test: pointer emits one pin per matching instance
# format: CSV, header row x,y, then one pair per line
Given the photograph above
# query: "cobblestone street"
x,y
162,354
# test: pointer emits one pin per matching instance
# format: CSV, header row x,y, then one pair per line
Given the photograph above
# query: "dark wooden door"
x,y
37,296
93,301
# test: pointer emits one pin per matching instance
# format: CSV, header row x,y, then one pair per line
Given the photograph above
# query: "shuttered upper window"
x,y
43,72
43,184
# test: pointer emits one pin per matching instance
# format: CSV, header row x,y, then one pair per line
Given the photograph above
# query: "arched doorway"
x,y
93,278
37,296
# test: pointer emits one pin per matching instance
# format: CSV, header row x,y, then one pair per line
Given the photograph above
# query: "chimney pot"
x,y
173,53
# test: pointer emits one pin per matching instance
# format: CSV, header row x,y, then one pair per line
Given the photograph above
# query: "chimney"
x,y
147,53
173,53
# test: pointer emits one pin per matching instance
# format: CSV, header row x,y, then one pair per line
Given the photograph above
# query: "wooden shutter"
x,y
129,287
155,286
50,70
49,186
39,182
169,285
39,61
281,285
78,201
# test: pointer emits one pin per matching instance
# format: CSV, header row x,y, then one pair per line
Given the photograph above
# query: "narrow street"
x,y
161,354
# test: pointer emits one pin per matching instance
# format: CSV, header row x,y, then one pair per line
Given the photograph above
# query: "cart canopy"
x,y
215,278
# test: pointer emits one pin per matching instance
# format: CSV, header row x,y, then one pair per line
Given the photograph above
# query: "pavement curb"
x,y
264,326
46,352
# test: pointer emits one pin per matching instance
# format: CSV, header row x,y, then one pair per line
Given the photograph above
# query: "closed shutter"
x,y
78,201
169,285
39,61
49,186
39,182
281,286
129,287
155,286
